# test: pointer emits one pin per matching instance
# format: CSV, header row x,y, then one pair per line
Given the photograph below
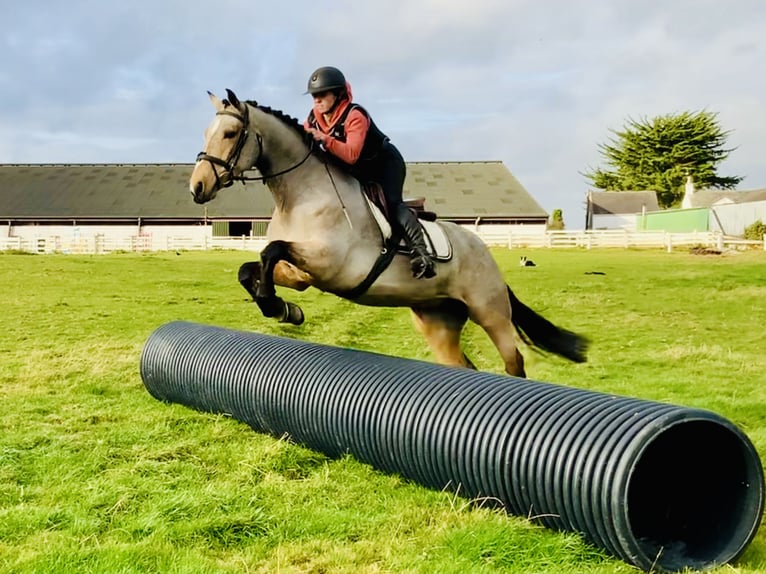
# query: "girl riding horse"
x,y
347,131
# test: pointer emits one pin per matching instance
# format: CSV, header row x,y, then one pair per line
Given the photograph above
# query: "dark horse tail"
x,y
537,331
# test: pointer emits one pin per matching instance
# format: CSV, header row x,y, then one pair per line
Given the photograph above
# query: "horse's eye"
x,y
227,135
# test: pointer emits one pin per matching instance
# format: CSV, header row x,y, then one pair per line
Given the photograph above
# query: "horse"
x,y
323,234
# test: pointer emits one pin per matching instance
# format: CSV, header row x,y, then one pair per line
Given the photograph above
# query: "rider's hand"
x,y
318,135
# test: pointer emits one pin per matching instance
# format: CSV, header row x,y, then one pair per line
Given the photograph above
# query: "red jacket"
x,y
356,128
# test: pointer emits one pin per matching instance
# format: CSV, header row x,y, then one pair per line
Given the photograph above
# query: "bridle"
x,y
229,163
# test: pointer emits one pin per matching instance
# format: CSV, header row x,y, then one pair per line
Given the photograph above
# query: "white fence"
x,y
513,239
620,238
137,243
245,243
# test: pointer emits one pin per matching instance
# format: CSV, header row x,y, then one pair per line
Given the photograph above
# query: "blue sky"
x,y
537,84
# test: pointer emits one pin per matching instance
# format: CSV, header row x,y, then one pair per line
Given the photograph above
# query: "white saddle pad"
x,y
437,243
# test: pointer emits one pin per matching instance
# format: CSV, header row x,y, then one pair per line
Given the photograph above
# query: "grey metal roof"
x,y
621,202
454,190
110,192
708,197
470,190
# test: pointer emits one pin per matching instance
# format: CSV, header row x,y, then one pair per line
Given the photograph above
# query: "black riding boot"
x,y
420,261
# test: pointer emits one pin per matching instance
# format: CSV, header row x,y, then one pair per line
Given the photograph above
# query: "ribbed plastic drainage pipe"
x,y
663,487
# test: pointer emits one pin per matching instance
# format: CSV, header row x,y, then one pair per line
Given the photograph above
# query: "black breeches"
x,y
391,178
389,170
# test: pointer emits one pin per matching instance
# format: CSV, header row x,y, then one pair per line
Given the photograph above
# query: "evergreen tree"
x,y
658,154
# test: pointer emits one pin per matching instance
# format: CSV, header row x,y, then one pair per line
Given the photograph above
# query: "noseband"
x,y
229,163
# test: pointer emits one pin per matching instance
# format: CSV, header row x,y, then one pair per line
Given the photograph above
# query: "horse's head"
x,y
228,150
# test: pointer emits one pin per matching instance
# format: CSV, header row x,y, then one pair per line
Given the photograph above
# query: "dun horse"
x,y
323,234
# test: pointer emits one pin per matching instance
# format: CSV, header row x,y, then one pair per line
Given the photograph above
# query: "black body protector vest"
x,y
373,142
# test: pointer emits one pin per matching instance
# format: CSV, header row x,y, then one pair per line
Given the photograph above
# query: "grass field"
x,y
97,476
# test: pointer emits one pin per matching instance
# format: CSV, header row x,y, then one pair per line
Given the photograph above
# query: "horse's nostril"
x,y
196,191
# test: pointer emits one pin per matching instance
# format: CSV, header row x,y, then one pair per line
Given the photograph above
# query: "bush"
x,y
756,230
556,221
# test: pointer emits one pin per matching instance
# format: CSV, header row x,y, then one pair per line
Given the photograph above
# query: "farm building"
x,y
728,212
146,206
617,209
695,198
725,211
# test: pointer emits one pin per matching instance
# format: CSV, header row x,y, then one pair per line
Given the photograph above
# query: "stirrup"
x,y
422,267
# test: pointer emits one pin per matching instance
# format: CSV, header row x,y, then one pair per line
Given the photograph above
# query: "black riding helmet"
x,y
325,79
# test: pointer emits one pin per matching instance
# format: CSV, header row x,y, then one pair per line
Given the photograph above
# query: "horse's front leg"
x,y
263,289
249,276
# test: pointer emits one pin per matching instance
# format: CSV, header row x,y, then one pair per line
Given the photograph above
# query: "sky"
x,y
536,84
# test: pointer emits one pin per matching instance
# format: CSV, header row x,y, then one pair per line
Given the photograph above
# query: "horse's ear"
x,y
216,102
232,97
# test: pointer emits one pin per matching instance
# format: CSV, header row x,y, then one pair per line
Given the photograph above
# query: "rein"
x,y
229,163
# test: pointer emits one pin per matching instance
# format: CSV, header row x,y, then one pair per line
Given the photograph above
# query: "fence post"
x,y
669,241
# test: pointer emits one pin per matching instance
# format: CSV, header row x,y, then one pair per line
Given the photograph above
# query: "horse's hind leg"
x,y
494,316
441,326
503,335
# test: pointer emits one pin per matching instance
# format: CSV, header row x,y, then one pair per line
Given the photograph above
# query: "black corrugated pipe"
x,y
663,487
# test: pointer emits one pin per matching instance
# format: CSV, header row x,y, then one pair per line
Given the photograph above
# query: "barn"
x,y
617,209
103,207
728,212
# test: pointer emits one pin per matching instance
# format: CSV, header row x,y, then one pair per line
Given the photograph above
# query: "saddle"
x,y
437,243
374,192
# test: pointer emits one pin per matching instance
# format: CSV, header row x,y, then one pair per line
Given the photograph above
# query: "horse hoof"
x,y
293,314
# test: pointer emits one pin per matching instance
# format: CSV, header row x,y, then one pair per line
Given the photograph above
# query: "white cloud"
x,y
535,84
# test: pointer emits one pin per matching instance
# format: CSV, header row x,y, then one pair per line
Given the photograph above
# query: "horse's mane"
x,y
297,125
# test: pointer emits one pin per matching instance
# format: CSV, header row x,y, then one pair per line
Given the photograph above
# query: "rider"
x,y
347,131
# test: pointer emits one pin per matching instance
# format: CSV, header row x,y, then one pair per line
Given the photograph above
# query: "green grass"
x,y
97,476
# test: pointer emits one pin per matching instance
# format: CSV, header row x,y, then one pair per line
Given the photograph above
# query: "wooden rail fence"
x,y
513,239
